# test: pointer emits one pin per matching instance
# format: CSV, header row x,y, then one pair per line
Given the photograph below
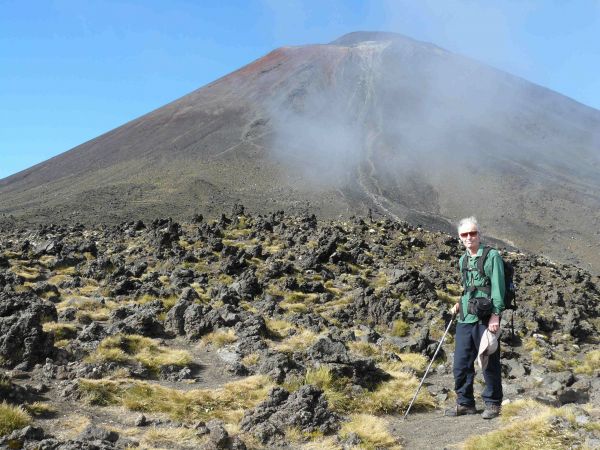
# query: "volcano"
x,y
371,123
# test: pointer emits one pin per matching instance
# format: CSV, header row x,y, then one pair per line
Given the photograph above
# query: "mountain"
x,y
369,122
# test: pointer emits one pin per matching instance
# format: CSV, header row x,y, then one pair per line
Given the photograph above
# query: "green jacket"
x,y
494,269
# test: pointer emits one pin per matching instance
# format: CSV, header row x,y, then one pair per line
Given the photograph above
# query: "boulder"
x,y
305,409
22,340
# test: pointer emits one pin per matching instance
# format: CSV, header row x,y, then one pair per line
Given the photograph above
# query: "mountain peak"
x,y
357,37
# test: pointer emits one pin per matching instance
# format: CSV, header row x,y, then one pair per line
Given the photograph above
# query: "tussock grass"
x,y
60,331
236,234
47,260
297,301
172,438
331,287
399,328
272,248
65,270
365,349
448,297
134,348
26,272
279,328
88,308
394,396
40,409
389,397
409,362
372,432
296,342
57,279
223,278
145,298
528,425
591,363
455,290
297,436
71,426
251,359
227,403
380,281
240,239
20,288
12,418
89,256
327,443
294,307
219,338
328,309
333,388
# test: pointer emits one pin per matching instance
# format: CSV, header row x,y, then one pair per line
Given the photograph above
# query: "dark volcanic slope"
x,y
371,121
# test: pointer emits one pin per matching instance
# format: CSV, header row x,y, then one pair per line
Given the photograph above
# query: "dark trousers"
x,y
468,337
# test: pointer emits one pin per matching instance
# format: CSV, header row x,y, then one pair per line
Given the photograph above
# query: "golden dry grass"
x,y
219,338
171,438
279,328
408,362
131,348
372,432
528,425
60,331
399,328
88,308
227,403
365,349
591,363
251,359
26,272
394,396
333,388
12,418
296,342
450,298
70,426
326,443
40,409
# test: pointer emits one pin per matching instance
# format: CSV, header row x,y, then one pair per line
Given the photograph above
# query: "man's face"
x,y
469,236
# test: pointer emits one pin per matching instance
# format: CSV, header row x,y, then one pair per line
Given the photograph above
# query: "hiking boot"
x,y
491,410
460,410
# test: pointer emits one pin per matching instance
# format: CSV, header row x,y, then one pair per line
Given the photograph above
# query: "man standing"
x,y
472,324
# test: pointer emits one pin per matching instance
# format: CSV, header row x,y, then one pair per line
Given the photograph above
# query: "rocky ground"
x,y
273,331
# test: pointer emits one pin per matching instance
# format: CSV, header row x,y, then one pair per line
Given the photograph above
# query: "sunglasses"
x,y
469,233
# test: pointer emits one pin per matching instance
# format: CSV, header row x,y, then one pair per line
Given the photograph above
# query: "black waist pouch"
x,y
480,307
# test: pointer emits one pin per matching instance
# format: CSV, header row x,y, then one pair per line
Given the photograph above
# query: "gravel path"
x,y
434,431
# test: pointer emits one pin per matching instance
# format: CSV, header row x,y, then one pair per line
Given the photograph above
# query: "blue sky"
x,y
71,70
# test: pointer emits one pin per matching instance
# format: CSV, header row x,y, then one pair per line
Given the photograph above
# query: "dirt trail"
x,y
434,431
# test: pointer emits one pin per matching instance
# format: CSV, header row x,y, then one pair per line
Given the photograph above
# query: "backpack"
x,y
509,285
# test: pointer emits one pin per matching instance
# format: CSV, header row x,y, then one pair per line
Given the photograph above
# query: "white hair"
x,y
468,220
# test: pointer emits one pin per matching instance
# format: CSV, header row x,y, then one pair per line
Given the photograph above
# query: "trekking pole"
x,y
429,366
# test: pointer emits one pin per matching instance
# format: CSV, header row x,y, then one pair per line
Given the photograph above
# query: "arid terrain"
x,y
276,331
370,122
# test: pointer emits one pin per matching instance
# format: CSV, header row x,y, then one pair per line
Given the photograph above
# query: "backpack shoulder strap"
x,y
464,268
481,261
